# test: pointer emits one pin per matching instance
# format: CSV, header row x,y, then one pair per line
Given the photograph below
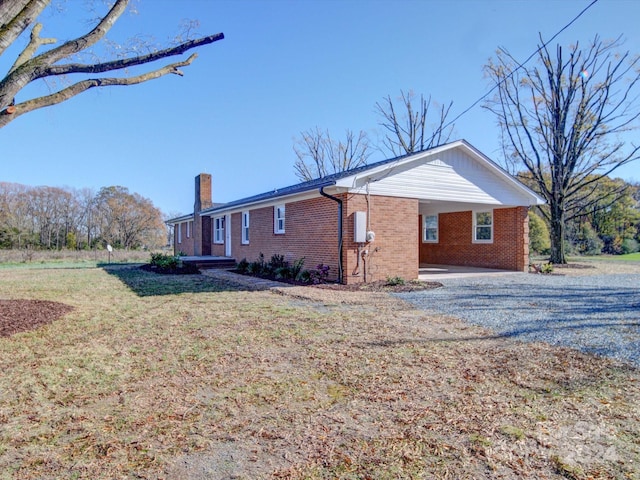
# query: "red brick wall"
x,y
509,250
311,231
187,245
394,251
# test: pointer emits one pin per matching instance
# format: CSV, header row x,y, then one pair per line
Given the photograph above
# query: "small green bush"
x,y
283,272
305,276
165,262
277,261
277,267
254,268
546,268
296,268
393,281
242,266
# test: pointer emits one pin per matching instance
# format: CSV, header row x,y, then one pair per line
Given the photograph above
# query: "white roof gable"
x,y
455,172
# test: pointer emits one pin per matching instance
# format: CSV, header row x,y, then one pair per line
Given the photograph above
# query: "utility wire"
x,y
521,65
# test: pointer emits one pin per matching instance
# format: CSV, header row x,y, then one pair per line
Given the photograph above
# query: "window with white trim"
x,y
218,230
179,233
189,224
245,228
278,219
430,228
483,226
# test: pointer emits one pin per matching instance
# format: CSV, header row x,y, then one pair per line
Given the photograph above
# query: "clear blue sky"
x,y
284,67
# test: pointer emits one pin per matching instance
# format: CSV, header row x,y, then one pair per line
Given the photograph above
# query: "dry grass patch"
x,y
185,377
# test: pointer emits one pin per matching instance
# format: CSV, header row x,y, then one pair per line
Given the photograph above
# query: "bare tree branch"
x,y
17,15
319,155
79,87
35,42
412,133
130,62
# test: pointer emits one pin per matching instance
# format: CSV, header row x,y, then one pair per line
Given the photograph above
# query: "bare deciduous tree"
x,y
319,155
17,16
408,124
129,220
561,120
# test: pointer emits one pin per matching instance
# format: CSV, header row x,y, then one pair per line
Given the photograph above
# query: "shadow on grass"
x,y
147,284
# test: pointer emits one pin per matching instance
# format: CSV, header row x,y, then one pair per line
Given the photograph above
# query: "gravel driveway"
x,y
598,314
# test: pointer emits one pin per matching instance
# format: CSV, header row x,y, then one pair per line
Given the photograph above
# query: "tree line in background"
x,y
56,218
607,221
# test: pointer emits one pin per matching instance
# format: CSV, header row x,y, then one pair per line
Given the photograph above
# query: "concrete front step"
x,y
204,263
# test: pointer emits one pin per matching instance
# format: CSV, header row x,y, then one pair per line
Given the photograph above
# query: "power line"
x,y
521,65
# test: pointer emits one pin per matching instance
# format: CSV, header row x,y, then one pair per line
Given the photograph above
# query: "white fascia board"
x,y
271,202
184,218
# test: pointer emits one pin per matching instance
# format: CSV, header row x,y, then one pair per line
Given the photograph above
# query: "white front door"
x,y
227,236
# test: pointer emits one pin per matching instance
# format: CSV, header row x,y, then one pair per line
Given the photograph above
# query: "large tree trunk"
x,y
557,234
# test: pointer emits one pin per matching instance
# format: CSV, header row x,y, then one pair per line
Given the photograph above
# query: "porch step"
x,y
203,263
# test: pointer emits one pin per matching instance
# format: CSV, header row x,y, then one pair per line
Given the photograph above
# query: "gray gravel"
x,y
597,314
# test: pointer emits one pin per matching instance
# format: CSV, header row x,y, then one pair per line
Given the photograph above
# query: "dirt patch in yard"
x,y
24,315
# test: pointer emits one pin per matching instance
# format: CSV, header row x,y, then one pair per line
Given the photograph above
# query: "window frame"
x,y
278,219
436,229
477,226
179,232
218,230
245,228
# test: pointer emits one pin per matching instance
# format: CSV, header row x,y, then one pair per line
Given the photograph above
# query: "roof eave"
x,y
181,219
265,199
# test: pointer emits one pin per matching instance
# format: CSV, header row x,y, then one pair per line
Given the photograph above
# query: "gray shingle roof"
x,y
305,186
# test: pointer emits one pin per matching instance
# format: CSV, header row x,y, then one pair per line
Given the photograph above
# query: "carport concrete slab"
x,y
439,272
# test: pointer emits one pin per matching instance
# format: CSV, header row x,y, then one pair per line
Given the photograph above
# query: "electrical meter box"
x,y
360,227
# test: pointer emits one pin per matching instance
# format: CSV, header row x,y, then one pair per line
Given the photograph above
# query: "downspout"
x,y
339,202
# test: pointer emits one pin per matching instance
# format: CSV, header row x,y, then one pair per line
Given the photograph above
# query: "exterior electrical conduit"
x,y
339,202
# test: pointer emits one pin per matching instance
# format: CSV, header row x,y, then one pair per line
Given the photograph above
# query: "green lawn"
x,y
630,257
156,376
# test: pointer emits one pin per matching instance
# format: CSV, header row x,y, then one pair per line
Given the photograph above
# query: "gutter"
x,y
339,202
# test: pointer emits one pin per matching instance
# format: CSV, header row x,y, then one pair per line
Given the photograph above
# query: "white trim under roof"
x,y
182,219
468,176
270,202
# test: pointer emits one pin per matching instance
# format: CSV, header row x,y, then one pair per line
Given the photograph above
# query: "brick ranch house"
x,y
447,205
